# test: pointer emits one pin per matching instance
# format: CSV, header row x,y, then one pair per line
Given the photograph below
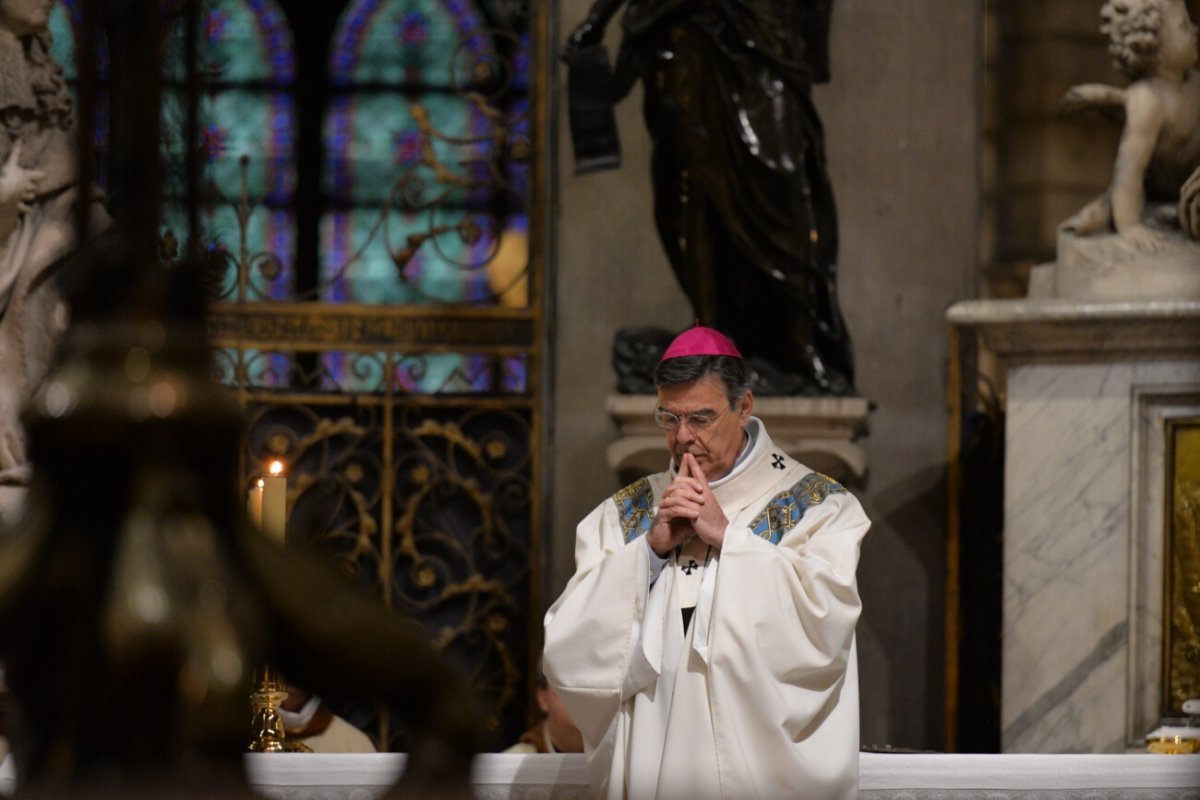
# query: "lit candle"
x,y
274,502
254,504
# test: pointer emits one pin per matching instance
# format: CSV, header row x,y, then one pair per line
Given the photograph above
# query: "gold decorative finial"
x,y
266,728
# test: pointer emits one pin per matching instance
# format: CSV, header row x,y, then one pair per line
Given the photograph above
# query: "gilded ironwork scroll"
x,y
428,503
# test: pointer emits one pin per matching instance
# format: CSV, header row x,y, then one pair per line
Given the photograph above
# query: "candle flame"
x,y
276,467
260,483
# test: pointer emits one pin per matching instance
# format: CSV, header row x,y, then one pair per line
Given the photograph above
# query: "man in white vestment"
x,y
705,645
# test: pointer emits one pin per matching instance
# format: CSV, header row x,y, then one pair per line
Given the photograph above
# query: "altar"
x,y
883,776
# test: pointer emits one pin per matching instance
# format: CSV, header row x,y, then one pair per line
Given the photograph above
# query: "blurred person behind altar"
x,y
556,731
306,718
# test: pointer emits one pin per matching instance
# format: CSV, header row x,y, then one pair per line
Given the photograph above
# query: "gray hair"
x,y
729,370
1134,29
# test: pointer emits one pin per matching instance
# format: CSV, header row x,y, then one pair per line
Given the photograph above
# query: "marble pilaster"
x,y
1088,388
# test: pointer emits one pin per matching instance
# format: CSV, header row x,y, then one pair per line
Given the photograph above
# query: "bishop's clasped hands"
x,y
688,508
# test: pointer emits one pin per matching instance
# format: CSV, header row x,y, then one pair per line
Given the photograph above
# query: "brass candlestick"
x,y
266,728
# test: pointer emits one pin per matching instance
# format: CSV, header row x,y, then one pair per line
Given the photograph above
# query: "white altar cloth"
x,y
883,776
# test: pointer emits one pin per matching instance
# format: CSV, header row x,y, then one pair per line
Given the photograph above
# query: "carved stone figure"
x,y
37,199
1140,240
743,203
1156,174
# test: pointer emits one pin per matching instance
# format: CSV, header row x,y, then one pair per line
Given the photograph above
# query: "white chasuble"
x,y
758,696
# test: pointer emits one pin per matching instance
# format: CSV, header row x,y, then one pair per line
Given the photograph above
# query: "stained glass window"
x,y
424,167
247,134
66,31
425,175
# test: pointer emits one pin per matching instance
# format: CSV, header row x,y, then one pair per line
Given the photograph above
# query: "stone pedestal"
x,y
1089,386
819,432
1105,267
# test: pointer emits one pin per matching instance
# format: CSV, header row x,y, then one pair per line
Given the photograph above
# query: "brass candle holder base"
x,y
1173,745
266,728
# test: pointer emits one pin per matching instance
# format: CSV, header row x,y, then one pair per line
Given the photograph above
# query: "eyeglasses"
x,y
669,420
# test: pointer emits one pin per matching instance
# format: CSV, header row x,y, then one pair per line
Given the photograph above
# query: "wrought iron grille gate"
x,y
429,499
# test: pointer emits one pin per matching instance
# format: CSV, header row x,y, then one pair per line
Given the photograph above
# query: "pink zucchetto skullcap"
x,y
701,341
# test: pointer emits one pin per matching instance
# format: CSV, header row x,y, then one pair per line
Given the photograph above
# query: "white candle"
x,y
254,504
274,503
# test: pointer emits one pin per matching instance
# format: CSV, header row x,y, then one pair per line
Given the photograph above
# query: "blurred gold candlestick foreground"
x,y
266,728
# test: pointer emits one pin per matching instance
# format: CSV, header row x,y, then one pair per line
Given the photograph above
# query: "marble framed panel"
x,y
1181,628
1155,407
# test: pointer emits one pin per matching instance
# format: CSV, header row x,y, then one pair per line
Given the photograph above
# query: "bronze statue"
x,y
743,203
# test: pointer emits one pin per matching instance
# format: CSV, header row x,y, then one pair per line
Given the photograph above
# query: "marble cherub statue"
x,y
37,198
1156,174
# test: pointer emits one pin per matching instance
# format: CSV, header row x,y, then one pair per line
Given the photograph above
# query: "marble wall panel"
x,y
1071,600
